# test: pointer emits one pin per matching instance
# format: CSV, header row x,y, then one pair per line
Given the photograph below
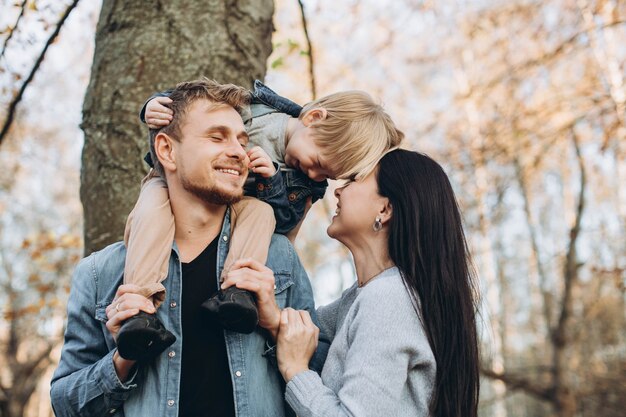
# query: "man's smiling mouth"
x,y
229,171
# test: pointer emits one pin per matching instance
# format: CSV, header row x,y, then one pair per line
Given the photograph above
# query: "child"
x,y
294,151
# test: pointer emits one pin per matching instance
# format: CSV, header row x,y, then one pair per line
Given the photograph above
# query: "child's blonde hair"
x,y
355,133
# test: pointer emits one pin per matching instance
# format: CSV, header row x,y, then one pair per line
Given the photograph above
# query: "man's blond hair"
x,y
355,134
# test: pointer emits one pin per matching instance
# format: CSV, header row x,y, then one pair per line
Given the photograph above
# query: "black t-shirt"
x,y
205,385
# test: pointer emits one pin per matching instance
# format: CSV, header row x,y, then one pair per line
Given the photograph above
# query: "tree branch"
x,y
543,58
16,100
570,272
17,21
30,367
534,245
310,48
516,382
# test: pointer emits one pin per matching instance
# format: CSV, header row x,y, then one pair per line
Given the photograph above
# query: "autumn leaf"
x,y
277,63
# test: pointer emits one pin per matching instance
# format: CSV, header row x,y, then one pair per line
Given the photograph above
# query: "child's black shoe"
x,y
234,309
143,337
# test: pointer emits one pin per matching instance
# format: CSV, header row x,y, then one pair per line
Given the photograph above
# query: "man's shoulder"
x,y
280,245
107,262
281,254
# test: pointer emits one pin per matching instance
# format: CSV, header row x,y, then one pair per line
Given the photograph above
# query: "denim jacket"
x,y
85,382
288,189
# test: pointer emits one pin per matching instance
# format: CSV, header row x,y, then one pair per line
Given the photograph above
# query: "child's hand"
x,y
260,162
157,115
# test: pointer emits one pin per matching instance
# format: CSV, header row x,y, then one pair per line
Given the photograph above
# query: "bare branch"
x,y
310,49
34,363
570,272
17,21
517,382
543,59
530,223
16,100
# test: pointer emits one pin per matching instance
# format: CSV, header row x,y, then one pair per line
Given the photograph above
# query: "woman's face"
x,y
358,205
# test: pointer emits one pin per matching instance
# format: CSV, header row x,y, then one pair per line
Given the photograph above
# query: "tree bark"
x,y
148,46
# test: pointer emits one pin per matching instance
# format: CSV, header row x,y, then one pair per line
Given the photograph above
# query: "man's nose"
x,y
235,150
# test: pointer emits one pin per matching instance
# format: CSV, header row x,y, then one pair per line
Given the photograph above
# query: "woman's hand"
x,y
297,341
157,115
249,274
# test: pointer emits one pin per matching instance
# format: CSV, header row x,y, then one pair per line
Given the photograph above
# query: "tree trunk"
x,y
143,47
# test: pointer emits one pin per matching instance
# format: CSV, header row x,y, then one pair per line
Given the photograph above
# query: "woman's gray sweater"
x,y
379,363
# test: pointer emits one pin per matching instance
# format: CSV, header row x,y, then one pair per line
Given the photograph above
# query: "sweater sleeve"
x,y
386,348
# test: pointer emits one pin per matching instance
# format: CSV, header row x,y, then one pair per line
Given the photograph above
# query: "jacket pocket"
x,y
282,282
101,311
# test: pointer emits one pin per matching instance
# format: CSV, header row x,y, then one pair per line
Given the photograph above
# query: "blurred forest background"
x,y
522,101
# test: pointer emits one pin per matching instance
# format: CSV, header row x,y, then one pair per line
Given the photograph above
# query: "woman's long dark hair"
x,y
427,243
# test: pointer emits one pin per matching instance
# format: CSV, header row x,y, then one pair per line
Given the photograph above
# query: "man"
x,y
207,371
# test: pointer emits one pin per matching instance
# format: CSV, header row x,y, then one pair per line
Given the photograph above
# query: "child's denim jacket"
x,y
286,191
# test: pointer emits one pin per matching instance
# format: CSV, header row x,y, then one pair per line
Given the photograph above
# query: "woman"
x,y
404,335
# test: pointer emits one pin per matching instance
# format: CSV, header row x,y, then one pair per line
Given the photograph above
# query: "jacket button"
x,y
171,354
224,238
173,304
170,402
238,373
260,187
292,197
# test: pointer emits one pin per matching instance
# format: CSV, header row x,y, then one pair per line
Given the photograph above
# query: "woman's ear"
x,y
386,211
314,115
165,152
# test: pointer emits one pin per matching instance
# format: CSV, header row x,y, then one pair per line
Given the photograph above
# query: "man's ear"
x,y
386,211
314,115
165,151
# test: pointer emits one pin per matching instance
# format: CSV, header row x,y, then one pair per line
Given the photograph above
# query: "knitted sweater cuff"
x,y
302,390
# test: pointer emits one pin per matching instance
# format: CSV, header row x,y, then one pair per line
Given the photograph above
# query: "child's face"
x,y
304,154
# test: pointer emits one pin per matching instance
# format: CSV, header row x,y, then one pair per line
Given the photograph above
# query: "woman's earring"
x,y
378,225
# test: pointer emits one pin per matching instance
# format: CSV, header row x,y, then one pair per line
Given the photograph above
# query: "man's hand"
x,y
297,341
126,304
157,115
249,274
260,162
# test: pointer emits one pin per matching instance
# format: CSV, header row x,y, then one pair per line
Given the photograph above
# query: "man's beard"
x,y
210,193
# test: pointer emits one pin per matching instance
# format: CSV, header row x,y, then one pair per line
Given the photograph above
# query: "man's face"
x,y
210,158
